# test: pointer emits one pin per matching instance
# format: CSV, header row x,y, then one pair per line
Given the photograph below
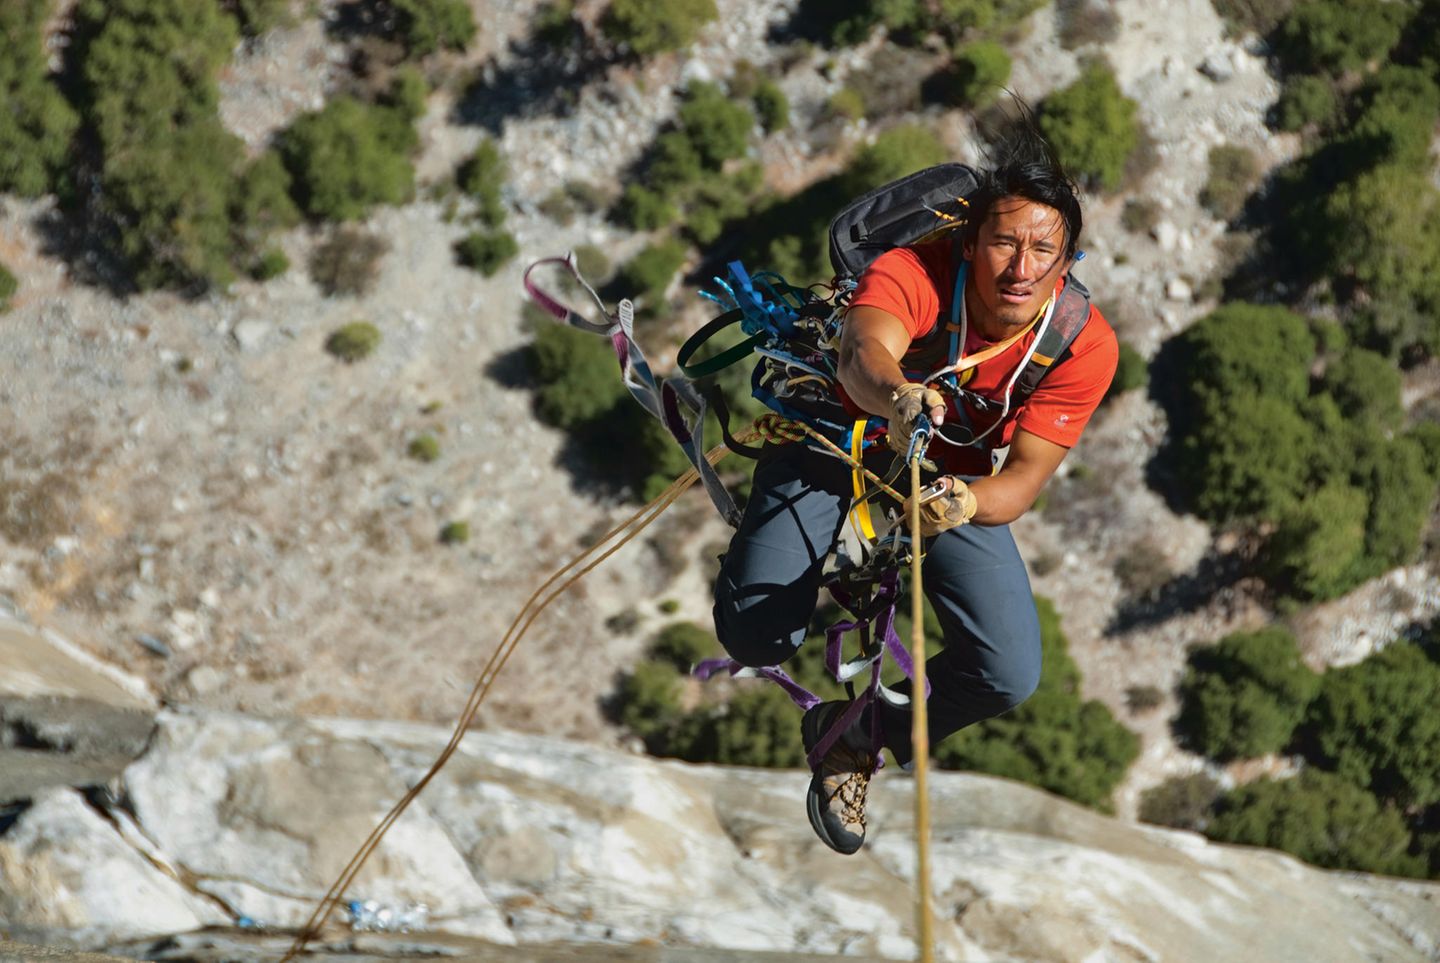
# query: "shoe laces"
x,y
852,769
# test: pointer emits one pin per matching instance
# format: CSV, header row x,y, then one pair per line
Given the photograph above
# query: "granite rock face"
x,y
523,839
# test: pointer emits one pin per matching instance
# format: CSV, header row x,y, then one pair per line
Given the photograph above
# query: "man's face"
x,y
1015,259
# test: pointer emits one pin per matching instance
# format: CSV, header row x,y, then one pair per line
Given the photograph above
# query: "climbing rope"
x,y
611,542
770,428
920,727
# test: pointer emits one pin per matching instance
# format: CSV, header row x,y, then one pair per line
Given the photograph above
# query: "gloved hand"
x,y
907,403
955,506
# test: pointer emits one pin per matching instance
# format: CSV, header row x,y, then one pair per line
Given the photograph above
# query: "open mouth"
x,y
1012,295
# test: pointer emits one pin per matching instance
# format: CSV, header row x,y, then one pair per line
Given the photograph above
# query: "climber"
x,y
988,288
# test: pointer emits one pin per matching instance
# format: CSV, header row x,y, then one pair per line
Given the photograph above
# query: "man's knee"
x,y
1016,682
751,632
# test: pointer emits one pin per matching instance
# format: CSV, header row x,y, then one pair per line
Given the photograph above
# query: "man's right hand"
x,y
907,403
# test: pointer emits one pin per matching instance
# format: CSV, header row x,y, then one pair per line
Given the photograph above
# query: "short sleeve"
x,y
899,282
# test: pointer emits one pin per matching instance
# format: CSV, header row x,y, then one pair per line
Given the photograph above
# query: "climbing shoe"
x,y
836,798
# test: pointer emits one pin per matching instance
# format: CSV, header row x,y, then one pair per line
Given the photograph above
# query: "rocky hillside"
x,y
523,840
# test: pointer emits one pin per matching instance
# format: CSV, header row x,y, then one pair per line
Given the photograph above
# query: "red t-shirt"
x,y
915,284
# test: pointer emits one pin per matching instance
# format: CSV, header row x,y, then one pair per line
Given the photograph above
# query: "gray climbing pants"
x,y
973,576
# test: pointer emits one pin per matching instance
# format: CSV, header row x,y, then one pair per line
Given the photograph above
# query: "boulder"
x,y
67,875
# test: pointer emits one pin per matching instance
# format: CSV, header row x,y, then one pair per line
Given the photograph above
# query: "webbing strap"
x,y
668,401
860,513
722,360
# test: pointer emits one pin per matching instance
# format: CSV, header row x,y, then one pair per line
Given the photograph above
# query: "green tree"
x,y
1402,492
425,26
486,251
37,123
1375,725
647,275
648,703
1180,802
353,342
1366,388
649,27
483,177
1318,548
1306,99
717,127
682,644
1245,695
1092,126
981,71
772,107
576,373
349,156
1320,818
258,17
1054,739
1336,36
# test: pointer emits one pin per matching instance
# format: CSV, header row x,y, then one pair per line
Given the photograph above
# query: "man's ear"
x,y
967,247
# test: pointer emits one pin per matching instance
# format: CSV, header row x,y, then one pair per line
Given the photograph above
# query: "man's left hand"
x,y
953,507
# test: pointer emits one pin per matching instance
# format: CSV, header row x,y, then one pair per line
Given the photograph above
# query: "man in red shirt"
x,y
997,452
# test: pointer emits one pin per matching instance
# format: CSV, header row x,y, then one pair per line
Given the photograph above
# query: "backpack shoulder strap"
x,y
1069,319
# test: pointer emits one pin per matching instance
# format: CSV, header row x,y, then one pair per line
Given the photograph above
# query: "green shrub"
x,y
1317,549
1306,99
1320,818
1092,127
354,341
486,251
642,209
1245,695
772,107
647,275
1143,698
1140,215
682,644
1336,36
756,727
1257,16
1234,171
648,702
271,263
981,70
262,203
483,177
258,17
455,533
649,27
425,26
1054,739
38,122
348,157
1426,434
347,261
1131,372
847,103
717,127
1366,388
1375,725
1180,802
8,286
424,448
577,376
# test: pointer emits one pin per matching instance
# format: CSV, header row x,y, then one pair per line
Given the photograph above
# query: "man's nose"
x,y
1022,264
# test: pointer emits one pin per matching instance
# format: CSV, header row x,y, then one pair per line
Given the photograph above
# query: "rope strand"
x,y
920,726
580,565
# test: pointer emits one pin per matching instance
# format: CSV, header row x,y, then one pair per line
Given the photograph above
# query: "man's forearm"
x,y
870,374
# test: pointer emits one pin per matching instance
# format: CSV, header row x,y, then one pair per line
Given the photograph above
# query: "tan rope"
x,y
580,566
920,727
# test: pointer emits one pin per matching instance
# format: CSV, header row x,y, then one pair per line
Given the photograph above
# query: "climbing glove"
x,y
907,403
952,508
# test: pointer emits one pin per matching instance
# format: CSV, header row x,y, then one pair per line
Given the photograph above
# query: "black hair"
x,y
1020,162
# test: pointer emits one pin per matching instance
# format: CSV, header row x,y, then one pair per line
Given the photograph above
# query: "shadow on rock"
x,y
543,78
1220,576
